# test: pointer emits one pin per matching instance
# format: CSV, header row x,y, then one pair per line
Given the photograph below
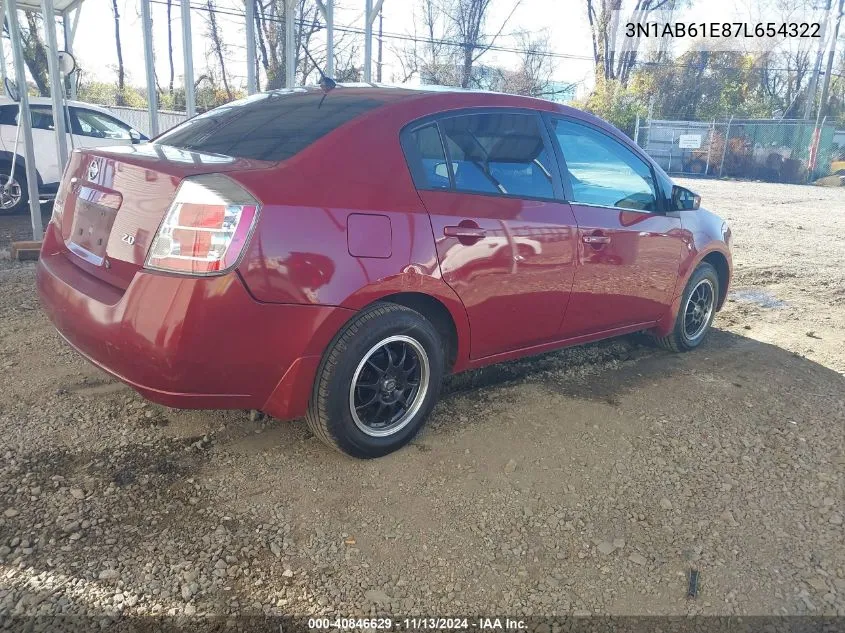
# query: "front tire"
x,y
377,382
698,308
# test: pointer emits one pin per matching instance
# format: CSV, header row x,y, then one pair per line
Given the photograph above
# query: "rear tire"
x,y
698,308
16,198
377,382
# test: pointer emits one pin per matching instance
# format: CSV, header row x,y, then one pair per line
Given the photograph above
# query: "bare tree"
x,y
533,77
270,18
470,21
606,29
34,51
449,37
218,48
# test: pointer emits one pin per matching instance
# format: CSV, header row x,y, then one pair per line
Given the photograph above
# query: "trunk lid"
x,y
115,198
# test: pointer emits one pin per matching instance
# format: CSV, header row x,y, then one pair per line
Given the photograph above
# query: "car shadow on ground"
x,y
125,526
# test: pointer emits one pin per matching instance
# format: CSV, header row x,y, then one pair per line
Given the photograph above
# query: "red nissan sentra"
x,y
334,254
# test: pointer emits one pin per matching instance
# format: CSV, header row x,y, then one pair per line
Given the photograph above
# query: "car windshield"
x,y
270,126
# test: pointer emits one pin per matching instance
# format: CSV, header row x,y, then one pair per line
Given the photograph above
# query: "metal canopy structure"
x,y
49,9
69,11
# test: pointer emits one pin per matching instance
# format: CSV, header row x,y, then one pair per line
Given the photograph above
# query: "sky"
x,y
94,47
564,21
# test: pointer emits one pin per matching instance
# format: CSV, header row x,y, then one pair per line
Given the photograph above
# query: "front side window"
x,y
498,153
98,125
602,171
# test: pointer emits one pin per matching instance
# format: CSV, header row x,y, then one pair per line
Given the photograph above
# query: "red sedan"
x,y
334,254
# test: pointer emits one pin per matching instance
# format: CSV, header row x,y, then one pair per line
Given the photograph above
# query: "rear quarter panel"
x,y
302,250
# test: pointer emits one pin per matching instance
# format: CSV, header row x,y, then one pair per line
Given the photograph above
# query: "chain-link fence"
x,y
770,150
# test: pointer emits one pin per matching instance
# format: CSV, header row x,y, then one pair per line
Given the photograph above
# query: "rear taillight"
x,y
61,194
205,228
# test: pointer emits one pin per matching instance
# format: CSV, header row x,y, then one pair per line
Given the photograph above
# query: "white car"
x,y
88,126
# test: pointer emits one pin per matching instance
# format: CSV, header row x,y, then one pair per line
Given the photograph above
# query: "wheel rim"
x,y
389,386
698,309
10,192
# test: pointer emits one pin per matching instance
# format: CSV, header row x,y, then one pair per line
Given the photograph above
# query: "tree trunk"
x,y
217,45
170,43
35,54
121,72
466,70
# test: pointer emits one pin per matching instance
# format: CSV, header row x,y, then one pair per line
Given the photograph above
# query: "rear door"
x,y
504,236
629,250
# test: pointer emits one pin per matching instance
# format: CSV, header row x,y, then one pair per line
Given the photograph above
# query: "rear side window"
x,y
426,158
271,126
498,153
8,114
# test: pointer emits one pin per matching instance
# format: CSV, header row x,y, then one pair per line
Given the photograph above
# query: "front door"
x,y
629,251
505,241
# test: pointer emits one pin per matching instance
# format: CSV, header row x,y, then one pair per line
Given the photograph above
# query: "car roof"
x,y
436,100
431,98
437,94
47,101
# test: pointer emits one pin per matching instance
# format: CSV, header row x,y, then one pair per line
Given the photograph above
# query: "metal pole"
x,y
814,79
152,95
56,92
330,38
830,56
368,41
188,55
671,151
290,44
709,148
637,130
2,49
25,121
251,79
69,29
379,62
370,15
327,10
725,148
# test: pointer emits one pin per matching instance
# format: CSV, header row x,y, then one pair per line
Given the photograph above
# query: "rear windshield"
x,y
270,126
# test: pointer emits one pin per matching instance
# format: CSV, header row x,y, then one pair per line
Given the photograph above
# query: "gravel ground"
x,y
587,481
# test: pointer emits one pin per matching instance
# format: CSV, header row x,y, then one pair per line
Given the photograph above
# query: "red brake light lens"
x,y
206,227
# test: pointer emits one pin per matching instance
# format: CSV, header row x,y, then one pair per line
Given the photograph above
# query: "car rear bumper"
x,y
189,342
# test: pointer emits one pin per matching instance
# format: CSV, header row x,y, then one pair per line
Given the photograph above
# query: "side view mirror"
x,y
684,200
135,135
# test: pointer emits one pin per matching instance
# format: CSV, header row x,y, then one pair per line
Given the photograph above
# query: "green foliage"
x,y
104,93
702,86
616,103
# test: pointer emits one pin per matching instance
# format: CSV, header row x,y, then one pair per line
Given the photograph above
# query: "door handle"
x,y
596,239
465,232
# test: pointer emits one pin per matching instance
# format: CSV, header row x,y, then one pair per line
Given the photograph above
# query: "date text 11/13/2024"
x,y
418,624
